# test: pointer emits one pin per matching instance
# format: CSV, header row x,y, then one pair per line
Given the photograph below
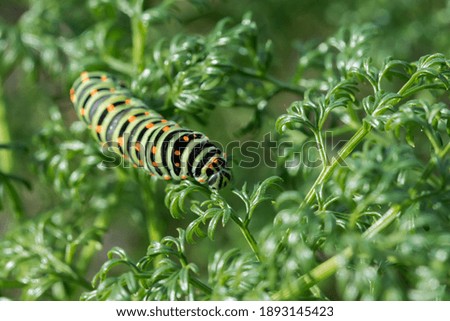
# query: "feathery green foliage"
x,y
354,207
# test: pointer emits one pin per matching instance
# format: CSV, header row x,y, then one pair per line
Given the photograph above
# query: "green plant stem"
x,y
330,266
322,150
382,222
432,140
248,236
139,35
196,282
281,85
151,216
201,286
284,86
118,65
327,171
152,221
6,159
408,84
319,273
444,151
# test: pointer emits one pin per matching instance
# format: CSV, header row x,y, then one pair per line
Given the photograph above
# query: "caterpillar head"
x,y
219,179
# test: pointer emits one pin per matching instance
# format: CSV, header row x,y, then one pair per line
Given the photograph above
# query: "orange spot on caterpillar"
x,y
149,125
94,92
132,119
166,128
141,162
183,176
177,164
186,138
82,111
163,120
120,141
154,149
104,78
147,113
201,180
98,129
137,146
84,76
177,153
155,164
167,177
110,108
134,165
127,101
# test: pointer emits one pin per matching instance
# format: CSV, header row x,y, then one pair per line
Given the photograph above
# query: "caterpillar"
x,y
142,136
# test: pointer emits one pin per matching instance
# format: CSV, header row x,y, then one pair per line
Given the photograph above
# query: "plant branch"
x,y
322,149
118,65
5,154
327,171
281,85
139,35
201,286
248,236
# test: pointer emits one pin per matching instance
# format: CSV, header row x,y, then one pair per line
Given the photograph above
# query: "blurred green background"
x,y
38,62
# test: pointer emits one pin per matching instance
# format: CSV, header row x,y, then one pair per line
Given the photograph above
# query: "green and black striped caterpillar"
x,y
143,136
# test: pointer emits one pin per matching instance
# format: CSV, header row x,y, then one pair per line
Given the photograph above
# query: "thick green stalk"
x,y
153,221
152,218
6,159
139,35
